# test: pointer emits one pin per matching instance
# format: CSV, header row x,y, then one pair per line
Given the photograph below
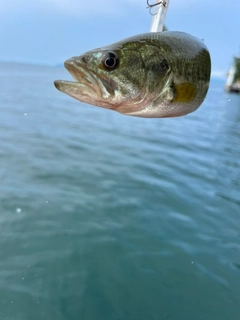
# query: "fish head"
x,y
125,77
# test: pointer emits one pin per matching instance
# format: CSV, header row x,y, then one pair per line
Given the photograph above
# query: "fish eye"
x,y
110,60
164,65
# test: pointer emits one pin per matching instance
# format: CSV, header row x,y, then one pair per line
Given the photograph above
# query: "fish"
x,y
151,75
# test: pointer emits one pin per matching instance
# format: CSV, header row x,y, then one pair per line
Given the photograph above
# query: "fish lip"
x,y
76,68
81,75
59,84
94,84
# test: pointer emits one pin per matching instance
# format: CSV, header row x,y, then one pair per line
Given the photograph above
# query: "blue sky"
x,y
50,31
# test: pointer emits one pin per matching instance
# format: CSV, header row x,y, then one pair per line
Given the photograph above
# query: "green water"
x,y
109,217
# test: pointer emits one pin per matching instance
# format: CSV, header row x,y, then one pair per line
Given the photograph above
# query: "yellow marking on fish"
x,y
185,92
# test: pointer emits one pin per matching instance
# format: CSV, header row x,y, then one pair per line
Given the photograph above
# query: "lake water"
x,y
109,217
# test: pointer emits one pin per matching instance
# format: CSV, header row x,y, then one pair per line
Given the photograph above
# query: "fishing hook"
x,y
150,6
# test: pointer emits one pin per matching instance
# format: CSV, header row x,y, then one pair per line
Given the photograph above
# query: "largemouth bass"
x,y
152,75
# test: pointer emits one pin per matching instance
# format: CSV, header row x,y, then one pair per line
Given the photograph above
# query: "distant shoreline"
x,y
36,64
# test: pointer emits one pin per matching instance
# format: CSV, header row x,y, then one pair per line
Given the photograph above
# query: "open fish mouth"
x,y
86,84
77,71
